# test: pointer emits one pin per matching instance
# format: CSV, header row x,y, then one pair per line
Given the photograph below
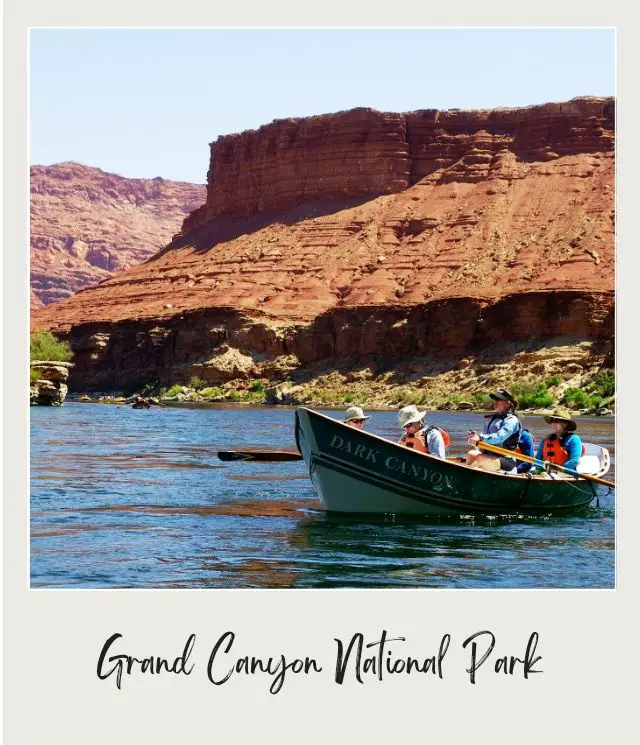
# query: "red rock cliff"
x,y
87,224
429,231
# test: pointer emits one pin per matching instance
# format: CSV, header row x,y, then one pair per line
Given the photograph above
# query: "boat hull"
x,y
357,472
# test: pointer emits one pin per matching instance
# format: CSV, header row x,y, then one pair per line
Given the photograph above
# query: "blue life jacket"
x,y
511,443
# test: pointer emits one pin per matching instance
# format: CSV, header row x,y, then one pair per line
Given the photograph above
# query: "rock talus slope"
x,y
371,234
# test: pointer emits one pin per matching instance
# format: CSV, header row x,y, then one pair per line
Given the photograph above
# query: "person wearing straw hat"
x,y
503,429
423,439
562,447
355,417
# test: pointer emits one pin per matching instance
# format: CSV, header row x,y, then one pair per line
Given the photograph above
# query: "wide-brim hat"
x,y
410,415
503,395
561,415
354,412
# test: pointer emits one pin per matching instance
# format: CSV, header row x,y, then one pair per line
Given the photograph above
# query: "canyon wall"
x,y
86,225
363,152
109,356
368,234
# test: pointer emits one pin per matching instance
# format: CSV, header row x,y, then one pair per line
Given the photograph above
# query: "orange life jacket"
x,y
554,451
415,441
444,433
418,441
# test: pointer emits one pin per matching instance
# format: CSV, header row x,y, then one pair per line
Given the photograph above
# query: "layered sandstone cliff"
x,y
368,233
87,225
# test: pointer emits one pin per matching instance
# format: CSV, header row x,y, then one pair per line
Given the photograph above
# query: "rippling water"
x,y
137,498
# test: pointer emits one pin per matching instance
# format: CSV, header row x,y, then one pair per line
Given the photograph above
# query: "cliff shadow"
x,y
223,228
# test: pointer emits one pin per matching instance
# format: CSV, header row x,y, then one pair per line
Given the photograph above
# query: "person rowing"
x,y
354,416
502,429
430,439
145,403
140,403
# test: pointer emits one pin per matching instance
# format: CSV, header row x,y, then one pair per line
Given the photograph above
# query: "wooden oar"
x,y
266,456
535,461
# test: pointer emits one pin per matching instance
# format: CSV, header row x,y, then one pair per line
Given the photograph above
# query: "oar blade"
x,y
230,455
264,456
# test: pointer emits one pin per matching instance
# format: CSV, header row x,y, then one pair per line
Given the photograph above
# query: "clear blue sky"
x,y
147,102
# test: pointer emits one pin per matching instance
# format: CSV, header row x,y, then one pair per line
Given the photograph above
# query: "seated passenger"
x,y
526,446
562,446
430,439
502,429
354,417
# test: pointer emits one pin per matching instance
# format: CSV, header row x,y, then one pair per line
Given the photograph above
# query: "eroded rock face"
x,y
362,152
87,224
368,234
50,389
222,345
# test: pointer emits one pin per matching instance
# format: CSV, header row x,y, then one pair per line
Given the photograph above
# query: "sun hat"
x,y
561,415
354,412
502,394
410,415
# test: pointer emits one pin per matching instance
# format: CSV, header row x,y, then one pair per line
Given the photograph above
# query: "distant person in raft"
x,y
502,429
431,440
354,417
562,447
140,403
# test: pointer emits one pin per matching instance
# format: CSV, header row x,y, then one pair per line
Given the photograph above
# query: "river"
x,y
124,498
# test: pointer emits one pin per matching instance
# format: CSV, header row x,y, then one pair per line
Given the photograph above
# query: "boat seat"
x,y
594,460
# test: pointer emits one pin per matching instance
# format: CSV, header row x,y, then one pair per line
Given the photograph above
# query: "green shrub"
x,y
196,383
323,396
532,395
596,401
212,392
481,400
33,375
455,398
349,397
174,390
604,383
45,346
254,396
553,380
233,395
576,398
257,386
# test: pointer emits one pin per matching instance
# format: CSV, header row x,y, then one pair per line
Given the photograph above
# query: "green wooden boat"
x,y
358,472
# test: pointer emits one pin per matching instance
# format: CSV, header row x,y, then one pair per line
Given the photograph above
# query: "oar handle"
x,y
528,459
508,453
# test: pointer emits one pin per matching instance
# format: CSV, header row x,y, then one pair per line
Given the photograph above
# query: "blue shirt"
x,y
498,430
527,448
572,444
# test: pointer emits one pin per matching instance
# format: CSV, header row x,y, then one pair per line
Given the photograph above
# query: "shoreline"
x,y
328,407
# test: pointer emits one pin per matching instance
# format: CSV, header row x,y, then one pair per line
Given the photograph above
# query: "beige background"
x,y
52,638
